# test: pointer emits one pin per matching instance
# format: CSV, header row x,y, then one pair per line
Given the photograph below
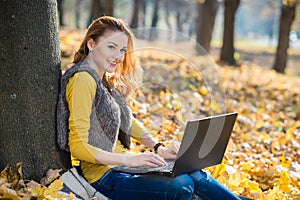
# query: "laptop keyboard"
x,y
146,169
167,168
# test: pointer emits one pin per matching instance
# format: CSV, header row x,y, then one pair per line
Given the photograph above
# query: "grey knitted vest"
x,y
110,117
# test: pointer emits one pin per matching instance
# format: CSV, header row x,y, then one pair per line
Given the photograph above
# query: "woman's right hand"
x,y
145,159
130,160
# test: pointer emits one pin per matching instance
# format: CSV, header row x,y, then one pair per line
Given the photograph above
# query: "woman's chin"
x,y
110,70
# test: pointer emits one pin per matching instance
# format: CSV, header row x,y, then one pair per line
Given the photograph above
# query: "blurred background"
x,y
266,32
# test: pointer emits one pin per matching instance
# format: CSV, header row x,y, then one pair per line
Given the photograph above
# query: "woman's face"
x,y
108,50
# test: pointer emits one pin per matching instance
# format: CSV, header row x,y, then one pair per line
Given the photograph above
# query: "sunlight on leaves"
x,y
263,155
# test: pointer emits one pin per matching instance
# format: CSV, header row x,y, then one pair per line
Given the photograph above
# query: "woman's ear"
x,y
91,44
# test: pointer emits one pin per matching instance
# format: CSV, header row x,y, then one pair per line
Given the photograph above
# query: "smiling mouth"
x,y
113,64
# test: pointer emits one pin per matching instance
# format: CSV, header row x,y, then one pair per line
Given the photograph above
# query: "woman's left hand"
x,y
168,153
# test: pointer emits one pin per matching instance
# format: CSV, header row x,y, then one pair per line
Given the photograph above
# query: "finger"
x,y
156,159
172,150
172,156
151,164
175,149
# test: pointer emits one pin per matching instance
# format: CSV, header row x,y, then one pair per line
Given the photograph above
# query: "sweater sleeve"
x,y
80,94
138,130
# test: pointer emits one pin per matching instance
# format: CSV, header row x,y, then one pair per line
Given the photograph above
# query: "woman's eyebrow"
x,y
113,43
125,47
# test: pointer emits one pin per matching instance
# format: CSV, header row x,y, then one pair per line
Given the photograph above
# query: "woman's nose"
x,y
119,56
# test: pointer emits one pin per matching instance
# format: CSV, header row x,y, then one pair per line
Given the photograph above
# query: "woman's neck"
x,y
94,66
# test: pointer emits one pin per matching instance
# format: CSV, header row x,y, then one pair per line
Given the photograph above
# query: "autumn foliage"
x,y
262,158
263,155
13,186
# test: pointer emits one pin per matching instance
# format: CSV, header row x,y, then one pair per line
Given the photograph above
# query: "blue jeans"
x,y
119,185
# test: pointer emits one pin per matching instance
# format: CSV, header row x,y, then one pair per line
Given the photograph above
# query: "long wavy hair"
x,y
127,77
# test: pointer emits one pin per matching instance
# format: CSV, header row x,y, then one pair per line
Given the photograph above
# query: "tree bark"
x,y
286,19
227,50
29,81
205,23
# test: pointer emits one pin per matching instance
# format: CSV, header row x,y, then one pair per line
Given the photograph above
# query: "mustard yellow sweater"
x,y
80,94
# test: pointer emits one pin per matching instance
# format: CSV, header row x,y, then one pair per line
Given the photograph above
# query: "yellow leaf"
x,y
246,167
52,191
10,197
56,185
5,189
147,121
284,162
203,91
272,194
284,182
244,67
219,170
215,107
6,172
35,188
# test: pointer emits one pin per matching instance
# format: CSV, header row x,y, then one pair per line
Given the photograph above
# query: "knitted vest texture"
x,y
110,117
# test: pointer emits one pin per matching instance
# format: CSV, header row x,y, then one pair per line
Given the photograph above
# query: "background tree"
x,y
95,11
227,50
101,8
205,23
287,17
183,13
271,12
60,12
155,18
138,17
29,81
78,13
135,14
108,7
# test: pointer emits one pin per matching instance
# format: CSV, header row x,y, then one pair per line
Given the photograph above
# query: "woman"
x,y
94,119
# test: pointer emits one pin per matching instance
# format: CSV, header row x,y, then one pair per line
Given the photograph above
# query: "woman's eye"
x,y
111,47
123,50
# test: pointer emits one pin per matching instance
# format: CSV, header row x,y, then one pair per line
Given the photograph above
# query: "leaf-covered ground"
x,y
263,156
262,160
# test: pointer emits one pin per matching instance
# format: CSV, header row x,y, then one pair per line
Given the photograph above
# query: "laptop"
x,y
203,145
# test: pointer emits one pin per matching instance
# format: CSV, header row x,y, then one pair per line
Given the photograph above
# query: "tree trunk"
x,y
286,19
29,81
135,15
78,13
144,12
108,7
60,12
205,23
153,32
227,50
96,11
179,22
